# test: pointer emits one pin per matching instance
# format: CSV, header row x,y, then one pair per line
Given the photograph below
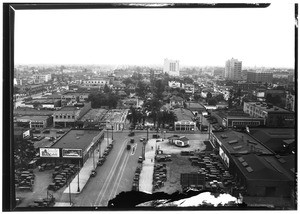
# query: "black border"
x,y
8,191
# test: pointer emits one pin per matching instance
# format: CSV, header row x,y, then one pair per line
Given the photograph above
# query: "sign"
x,y
72,153
49,152
27,133
224,156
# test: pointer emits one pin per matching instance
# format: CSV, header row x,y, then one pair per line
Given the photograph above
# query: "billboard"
x,y
49,152
72,153
224,156
26,134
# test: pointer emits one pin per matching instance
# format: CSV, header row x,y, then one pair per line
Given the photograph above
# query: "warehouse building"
x,y
255,168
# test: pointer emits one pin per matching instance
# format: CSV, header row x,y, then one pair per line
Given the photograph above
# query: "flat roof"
x,y
96,115
116,115
77,139
30,111
262,168
75,93
194,105
34,118
68,108
183,114
240,143
268,109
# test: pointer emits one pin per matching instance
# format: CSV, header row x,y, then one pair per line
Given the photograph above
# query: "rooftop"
x,y
68,108
273,138
240,143
94,115
31,111
262,167
194,105
75,93
267,108
183,114
116,115
33,118
177,98
77,139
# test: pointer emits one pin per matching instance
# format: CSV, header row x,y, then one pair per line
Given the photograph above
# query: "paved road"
x,y
115,175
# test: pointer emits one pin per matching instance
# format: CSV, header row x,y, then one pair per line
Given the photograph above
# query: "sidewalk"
x,y
85,171
146,176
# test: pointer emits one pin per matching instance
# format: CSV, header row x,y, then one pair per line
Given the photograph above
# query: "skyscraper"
x,y
233,69
171,67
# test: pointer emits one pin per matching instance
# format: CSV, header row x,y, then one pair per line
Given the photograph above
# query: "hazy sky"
x,y
200,37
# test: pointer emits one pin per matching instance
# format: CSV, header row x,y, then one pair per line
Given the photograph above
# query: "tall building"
x,y
254,76
171,67
233,69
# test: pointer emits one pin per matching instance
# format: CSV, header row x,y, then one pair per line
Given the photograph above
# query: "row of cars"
x,y
61,175
159,176
24,180
102,159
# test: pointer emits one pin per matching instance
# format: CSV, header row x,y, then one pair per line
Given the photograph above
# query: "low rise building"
x,y
255,168
176,101
229,119
68,115
185,120
35,122
195,107
94,83
274,138
273,115
75,146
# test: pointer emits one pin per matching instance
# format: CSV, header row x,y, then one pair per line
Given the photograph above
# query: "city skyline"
x,y
195,37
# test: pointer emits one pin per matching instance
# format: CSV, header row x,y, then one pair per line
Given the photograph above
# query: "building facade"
x,y
233,69
253,76
68,115
273,115
171,67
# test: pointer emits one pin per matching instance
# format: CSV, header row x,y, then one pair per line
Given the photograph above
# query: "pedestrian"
x,y
152,147
151,160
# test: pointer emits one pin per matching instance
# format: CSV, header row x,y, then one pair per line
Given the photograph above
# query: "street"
x,y
115,175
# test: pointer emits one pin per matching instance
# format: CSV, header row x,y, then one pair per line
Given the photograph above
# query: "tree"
x,y
212,101
188,80
24,152
106,89
141,89
127,81
219,97
16,90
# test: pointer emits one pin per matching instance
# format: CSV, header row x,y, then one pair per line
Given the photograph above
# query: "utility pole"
x,y
147,133
112,132
78,189
107,137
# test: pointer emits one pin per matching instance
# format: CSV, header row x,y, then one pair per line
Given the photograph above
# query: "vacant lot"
x,y
180,164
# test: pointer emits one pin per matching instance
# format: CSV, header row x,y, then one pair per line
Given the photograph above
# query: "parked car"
x,y
142,139
140,160
131,140
93,173
131,134
46,131
128,147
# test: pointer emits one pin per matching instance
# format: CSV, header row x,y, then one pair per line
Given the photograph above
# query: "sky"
x,y
262,37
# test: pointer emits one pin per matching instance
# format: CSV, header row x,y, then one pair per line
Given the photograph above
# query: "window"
x,y
64,116
56,116
73,116
68,116
60,116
